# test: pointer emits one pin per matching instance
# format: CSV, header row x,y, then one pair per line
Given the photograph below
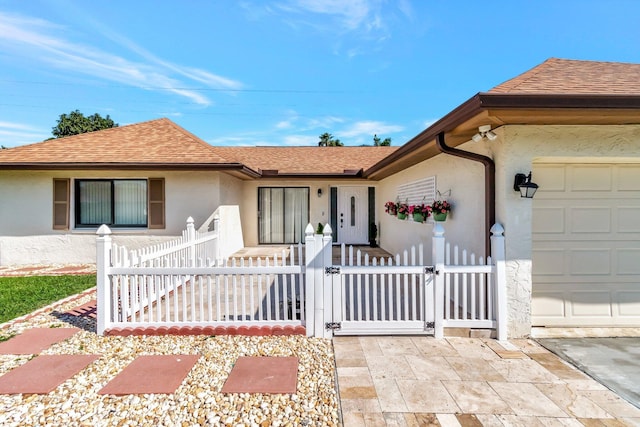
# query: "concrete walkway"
x,y
614,362
421,381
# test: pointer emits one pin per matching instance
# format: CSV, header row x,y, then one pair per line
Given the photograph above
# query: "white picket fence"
x,y
182,284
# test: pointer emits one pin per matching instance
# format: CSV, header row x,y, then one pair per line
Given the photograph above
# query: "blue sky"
x,y
283,72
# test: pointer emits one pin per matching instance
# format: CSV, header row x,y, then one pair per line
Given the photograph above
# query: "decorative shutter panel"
x,y
156,203
61,197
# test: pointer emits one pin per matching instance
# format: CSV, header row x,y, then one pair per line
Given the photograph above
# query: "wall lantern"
x,y
523,184
319,192
484,131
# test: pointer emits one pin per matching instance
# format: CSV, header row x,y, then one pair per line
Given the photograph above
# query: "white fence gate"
x,y
382,296
404,295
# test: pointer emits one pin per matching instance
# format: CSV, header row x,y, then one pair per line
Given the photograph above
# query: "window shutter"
x,y
156,203
61,196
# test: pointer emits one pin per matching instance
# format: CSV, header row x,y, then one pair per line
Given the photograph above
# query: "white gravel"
x,y
197,402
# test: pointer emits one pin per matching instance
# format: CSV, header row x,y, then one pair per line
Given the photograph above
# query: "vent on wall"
x,y
417,192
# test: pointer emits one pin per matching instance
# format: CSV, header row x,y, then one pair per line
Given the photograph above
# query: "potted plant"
x,y
440,209
373,234
420,212
391,208
403,211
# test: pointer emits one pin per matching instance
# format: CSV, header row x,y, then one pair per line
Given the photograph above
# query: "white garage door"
x,y
586,245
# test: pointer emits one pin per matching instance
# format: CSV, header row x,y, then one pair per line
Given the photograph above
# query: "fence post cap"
x,y
103,230
327,230
438,230
190,220
497,230
309,230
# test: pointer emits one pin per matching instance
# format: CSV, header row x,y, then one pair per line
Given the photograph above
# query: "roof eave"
x,y
484,101
227,167
313,175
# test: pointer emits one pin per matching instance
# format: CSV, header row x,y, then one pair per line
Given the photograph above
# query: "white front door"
x,y
353,215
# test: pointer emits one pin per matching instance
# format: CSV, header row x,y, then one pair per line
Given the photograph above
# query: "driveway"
x,y
613,362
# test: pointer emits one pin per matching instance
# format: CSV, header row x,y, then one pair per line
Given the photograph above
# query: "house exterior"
x,y
573,251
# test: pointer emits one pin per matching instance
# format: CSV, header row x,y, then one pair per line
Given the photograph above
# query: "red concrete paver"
x,y
88,309
263,375
43,374
152,374
33,341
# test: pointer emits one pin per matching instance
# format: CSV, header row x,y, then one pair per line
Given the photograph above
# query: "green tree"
x,y
327,140
76,123
378,143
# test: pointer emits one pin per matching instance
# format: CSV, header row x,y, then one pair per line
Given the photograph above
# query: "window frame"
x,y
284,211
77,203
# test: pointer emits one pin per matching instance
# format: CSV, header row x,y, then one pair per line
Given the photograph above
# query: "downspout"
x,y
489,184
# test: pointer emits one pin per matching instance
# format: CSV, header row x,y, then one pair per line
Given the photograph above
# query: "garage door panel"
x,y
590,303
549,304
590,178
586,245
628,178
589,262
549,220
628,303
551,177
590,219
629,219
628,261
551,262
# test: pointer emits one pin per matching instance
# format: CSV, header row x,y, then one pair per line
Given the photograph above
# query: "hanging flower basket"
x,y
440,209
403,211
420,212
391,208
440,216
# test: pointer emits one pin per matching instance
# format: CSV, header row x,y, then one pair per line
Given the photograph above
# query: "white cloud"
x,y
326,122
298,140
352,14
364,21
369,128
15,134
38,40
285,124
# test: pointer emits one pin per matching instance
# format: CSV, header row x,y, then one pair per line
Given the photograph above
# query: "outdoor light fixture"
x,y
484,131
319,192
523,184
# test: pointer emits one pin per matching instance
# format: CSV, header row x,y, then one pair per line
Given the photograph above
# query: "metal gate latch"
x,y
334,326
331,270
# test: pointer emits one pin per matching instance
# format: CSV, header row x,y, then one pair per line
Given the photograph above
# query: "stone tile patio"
x,y
420,381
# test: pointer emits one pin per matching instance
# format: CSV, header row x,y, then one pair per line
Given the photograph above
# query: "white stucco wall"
x,y
26,234
517,150
464,225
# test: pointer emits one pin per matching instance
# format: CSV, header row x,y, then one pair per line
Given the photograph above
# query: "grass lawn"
x,y
22,295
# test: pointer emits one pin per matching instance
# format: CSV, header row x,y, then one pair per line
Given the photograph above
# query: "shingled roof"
x,y
162,144
306,160
566,76
154,142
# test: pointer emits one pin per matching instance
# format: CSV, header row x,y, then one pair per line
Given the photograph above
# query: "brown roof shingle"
x,y
153,142
565,76
306,160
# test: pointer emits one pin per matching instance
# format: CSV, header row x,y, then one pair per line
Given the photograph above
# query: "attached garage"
x,y
586,245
